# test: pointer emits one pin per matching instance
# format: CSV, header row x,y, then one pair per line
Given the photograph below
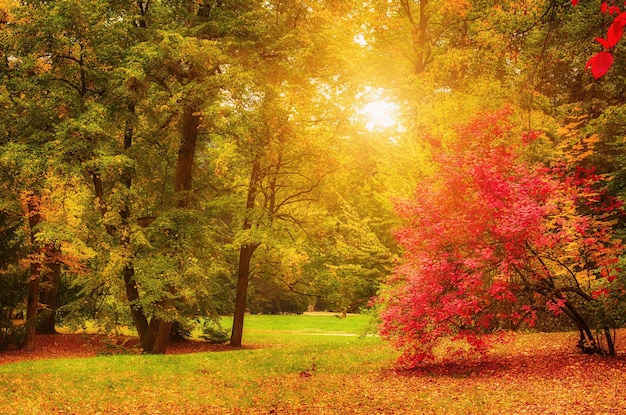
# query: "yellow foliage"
x,y
5,10
458,8
573,148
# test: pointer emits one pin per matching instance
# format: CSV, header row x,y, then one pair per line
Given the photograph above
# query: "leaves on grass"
x,y
54,346
536,373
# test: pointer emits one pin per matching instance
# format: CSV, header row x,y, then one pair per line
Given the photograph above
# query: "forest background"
x,y
165,161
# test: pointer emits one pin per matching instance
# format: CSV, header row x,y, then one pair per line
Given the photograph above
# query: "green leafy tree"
x,y
32,92
103,74
348,262
279,133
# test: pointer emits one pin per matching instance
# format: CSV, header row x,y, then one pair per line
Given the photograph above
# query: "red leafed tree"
x,y
490,239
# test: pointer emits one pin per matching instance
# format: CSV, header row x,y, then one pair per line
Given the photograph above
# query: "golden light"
x,y
379,115
376,111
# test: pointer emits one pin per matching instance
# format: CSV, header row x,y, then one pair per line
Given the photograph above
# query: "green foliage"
x,y
349,262
96,97
608,308
13,285
12,329
11,336
180,262
269,295
608,152
213,332
13,288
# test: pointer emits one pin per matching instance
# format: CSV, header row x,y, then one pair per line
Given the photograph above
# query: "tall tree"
x,y
28,146
171,76
102,71
282,128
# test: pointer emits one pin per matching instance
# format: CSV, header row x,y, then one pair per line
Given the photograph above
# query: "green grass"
x,y
315,323
281,347
537,373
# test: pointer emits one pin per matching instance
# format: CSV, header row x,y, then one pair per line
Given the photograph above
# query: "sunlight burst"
x,y
379,114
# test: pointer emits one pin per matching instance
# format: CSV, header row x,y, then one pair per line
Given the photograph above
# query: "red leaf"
x,y
600,63
596,294
614,10
604,7
574,3
621,18
603,42
616,30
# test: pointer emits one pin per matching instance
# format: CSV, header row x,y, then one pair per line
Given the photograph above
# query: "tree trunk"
x,y
587,342
156,335
245,255
32,305
147,340
132,295
186,154
421,45
132,291
49,290
32,302
146,330
609,341
419,33
162,337
243,278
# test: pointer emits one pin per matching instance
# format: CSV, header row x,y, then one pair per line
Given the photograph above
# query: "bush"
x,y
13,290
11,336
213,332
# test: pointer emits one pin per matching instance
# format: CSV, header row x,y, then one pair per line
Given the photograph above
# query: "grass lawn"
x,y
316,364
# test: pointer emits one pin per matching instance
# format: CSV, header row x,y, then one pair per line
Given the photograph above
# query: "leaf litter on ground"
x,y
539,373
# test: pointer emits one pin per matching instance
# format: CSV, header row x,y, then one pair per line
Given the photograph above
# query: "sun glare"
x,y
379,115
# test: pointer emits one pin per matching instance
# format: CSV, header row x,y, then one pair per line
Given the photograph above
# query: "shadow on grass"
x,y
540,366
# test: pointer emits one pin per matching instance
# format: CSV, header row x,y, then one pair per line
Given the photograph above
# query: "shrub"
x,y
11,336
213,332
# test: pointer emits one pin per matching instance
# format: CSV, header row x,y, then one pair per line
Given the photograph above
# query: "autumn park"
x,y
312,207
